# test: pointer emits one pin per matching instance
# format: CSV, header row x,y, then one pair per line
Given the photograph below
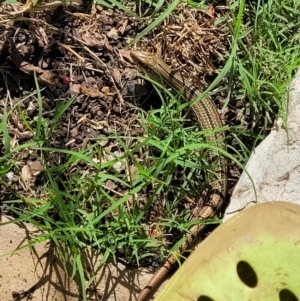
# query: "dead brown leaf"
x,y
90,91
26,173
45,77
35,167
116,74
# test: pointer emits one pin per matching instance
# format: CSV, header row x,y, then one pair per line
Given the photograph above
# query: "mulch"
x,y
82,52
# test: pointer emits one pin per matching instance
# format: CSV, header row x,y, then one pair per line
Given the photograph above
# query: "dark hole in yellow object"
x,y
247,274
205,298
287,295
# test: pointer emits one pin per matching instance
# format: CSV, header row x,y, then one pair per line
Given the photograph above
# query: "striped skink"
x,y
208,118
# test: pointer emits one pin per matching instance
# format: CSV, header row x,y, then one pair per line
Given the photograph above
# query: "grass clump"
x,y
267,59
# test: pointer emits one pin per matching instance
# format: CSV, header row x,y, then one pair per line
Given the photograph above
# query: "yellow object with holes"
x,y
253,256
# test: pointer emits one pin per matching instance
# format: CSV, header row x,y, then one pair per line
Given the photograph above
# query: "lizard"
x,y
208,117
